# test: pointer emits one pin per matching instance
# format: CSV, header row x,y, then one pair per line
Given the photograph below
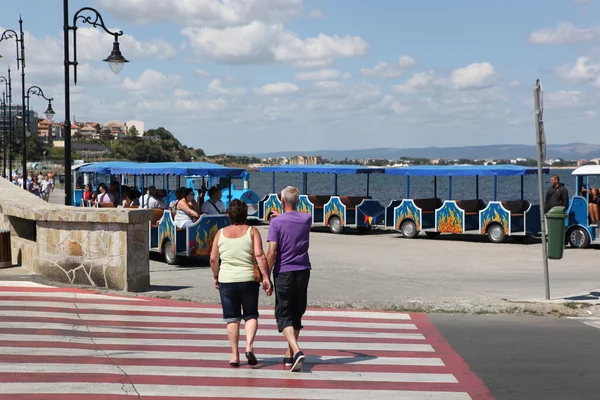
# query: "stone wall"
x,y
101,247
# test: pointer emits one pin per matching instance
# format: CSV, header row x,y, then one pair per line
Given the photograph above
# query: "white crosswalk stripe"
x,y
60,342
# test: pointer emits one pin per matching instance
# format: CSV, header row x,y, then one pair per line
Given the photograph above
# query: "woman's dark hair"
x,y
212,191
238,212
179,193
102,186
186,192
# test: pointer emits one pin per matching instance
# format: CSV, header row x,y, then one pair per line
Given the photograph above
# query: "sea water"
x,y
386,188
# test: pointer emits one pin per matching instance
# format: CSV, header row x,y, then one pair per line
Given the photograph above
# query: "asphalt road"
x,y
527,357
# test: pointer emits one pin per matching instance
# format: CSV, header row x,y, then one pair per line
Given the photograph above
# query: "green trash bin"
x,y
556,232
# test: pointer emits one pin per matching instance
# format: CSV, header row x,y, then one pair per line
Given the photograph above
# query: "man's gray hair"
x,y
291,196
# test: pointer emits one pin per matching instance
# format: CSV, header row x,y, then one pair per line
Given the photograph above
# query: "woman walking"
x,y
238,247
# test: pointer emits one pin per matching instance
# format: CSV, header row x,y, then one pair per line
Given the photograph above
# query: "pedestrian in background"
x,y
288,238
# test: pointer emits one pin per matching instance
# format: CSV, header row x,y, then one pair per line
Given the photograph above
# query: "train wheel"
x,y
409,229
578,237
170,258
335,224
496,234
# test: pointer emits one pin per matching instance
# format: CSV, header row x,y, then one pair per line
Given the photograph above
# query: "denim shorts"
x,y
239,300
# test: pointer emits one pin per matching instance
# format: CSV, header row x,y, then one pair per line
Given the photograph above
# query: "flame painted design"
x,y
166,230
494,213
407,210
335,207
271,204
304,205
202,245
450,219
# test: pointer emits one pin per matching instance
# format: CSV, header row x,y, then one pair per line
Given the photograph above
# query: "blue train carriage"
x,y
229,191
433,216
332,210
94,173
196,239
580,232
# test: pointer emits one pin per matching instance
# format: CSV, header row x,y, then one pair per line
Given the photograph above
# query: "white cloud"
x,y
150,81
182,93
277,88
406,61
216,87
563,99
416,83
316,14
203,12
475,75
582,71
389,103
387,71
565,33
95,44
202,73
514,84
383,70
321,75
323,48
261,43
591,114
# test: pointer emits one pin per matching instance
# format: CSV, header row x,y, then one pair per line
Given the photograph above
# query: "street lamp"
x,y
115,61
36,90
8,146
20,40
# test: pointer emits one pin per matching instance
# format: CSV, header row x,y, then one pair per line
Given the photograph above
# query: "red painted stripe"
x,y
167,302
175,314
200,349
295,383
160,362
454,362
69,300
187,336
158,324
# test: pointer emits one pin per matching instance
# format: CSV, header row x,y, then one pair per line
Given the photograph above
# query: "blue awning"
x,y
464,170
324,169
166,168
104,168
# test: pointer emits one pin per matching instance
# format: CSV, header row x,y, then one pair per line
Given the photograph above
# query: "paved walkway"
x,y
64,343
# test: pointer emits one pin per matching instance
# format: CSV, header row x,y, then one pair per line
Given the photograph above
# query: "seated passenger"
x,y
213,205
593,208
104,195
185,215
151,199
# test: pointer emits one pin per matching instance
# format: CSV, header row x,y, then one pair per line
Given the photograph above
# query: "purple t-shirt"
x,y
291,232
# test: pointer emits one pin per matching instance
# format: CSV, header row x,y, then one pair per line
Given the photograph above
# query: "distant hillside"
x,y
572,151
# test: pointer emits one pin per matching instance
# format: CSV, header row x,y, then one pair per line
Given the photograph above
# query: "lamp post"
x,y
3,134
20,40
36,90
115,60
8,147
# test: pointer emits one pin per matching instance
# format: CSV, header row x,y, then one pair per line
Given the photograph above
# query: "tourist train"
x,y
498,219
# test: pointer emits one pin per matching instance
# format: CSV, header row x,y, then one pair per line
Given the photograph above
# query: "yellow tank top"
x,y
237,258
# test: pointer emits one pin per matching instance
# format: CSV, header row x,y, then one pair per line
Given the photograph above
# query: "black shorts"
x,y
291,297
239,301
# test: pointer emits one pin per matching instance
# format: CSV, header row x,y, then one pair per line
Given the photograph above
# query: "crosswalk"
x,y
64,343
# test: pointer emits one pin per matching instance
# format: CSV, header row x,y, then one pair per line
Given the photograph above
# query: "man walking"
x,y
557,195
288,238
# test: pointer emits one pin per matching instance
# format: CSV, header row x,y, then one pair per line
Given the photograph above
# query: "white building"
x,y
139,126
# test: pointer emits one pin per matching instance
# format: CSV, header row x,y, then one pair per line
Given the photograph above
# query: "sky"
x,y
249,76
